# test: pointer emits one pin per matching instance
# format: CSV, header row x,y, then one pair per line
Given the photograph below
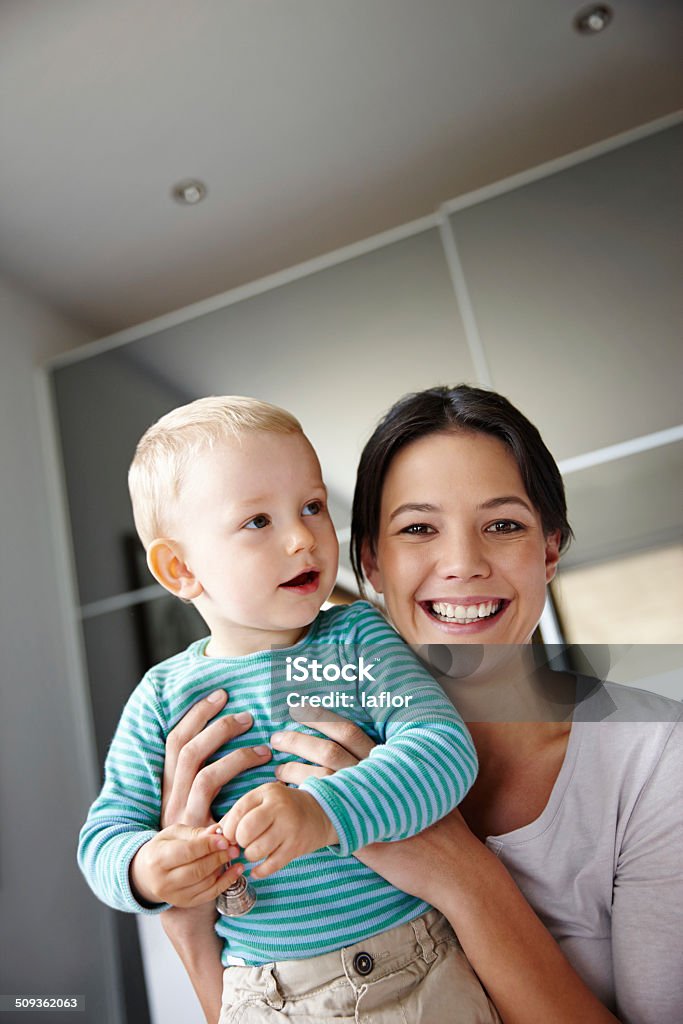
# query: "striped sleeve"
x,y
426,762
127,812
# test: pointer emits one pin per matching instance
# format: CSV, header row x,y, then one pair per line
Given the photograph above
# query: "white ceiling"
x,y
314,123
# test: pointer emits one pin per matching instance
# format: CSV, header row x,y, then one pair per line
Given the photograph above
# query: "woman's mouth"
x,y
464,614
304,583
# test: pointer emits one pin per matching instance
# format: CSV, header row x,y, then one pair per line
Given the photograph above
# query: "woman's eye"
x,y
504,526
312,508
257,523
417,529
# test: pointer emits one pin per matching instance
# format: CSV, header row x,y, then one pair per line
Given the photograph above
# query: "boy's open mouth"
x,y
303,579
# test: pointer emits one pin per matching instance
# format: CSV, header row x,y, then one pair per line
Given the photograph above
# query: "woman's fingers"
x,y
295,772
187,750
196,751
207,782
314,749
348,735
346,746
178,778
192,723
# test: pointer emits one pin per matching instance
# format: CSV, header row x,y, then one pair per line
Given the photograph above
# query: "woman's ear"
x,y
552,555
372,573
168,568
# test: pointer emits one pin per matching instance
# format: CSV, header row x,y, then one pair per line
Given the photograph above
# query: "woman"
x,y
459,520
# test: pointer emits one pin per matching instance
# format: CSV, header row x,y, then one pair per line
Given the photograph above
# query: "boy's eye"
x,y
504,526
257,523
312,508
417,529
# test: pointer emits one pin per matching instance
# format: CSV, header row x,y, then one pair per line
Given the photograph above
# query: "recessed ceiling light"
x,y
189,192
592,20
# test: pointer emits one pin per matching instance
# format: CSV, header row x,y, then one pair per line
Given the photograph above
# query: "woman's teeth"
x,y
462,614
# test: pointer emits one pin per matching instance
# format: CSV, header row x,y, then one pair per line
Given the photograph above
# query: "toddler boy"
x,y
229,501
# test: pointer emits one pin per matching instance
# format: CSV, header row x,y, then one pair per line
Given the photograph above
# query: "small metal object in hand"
x,y
238,899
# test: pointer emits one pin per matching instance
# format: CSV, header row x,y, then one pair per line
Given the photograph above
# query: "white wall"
x,y
53,933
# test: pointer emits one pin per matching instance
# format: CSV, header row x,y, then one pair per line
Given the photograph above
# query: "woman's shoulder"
x,y
627,734
604,701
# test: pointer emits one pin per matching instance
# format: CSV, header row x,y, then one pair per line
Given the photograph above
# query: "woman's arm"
x,y
647,907
516,958
189,788
192,935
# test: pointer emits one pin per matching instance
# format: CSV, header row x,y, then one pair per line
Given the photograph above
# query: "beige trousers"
x,y
416,973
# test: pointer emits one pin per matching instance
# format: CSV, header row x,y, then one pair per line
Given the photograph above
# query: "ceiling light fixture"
x,y
189,192
592,20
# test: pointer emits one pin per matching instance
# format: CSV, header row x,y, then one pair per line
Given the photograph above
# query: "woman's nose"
x,y
300,539
462,557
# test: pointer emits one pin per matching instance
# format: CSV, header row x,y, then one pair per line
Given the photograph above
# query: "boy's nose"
x,y
301,539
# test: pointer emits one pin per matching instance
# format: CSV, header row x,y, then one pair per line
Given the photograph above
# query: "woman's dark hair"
x,y
439,410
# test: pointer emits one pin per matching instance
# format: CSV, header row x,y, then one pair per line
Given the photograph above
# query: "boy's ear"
x,y
369,563
552,555
168,568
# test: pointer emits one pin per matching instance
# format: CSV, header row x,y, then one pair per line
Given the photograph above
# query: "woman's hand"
x,y
345,746
190,785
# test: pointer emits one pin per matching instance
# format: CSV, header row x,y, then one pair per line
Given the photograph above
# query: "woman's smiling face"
x,y
461,553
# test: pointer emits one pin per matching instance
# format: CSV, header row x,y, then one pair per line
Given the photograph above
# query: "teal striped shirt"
x,y
422,767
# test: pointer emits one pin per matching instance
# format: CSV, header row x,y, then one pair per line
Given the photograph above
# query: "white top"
x,y
603,864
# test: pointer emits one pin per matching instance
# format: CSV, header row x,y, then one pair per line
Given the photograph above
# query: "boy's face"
x,y
254,529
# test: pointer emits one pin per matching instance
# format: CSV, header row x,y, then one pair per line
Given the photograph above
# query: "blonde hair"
x,y
166,448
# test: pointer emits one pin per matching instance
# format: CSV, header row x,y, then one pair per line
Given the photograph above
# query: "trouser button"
x,y
363,963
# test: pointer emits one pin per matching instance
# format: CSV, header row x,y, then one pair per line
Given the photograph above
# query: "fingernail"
x,y
277,736
243,717
214,697
221,844
261,750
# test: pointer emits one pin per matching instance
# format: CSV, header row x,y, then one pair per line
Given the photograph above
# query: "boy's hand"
x,y
183,866
278,824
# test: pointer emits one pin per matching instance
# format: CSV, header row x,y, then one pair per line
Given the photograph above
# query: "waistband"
x,y
365,961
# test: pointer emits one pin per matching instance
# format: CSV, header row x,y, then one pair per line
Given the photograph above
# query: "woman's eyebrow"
x,y
507,499
412,507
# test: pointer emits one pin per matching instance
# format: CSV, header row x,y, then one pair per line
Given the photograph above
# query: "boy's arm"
x,y
425,765
126,813
423,768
